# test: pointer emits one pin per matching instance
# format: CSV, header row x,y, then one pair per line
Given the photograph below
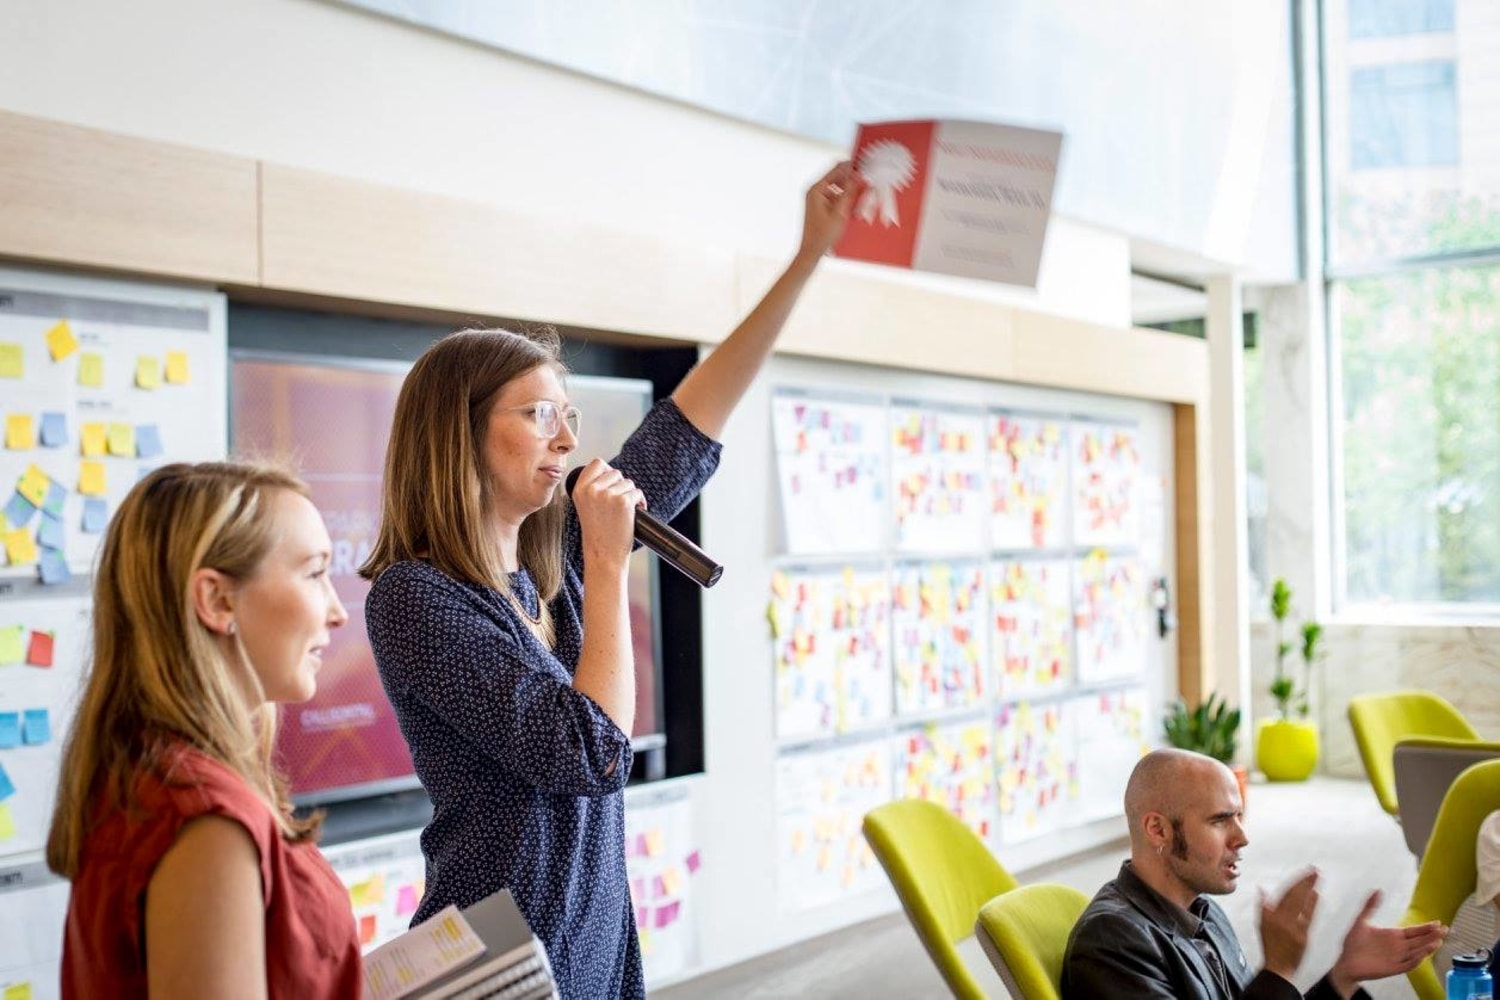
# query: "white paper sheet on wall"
x,y
1110,615
1031,620
1036,768
1106,469
662,861
952,764
1111,738
832,471
1028,469
938,632
33,909
937,479
822,796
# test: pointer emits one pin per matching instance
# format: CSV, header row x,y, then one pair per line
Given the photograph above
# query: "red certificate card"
x,y
964,198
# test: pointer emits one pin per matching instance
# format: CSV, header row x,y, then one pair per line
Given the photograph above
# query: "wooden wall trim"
x,y
85,198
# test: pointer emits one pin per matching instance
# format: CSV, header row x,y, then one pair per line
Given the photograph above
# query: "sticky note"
x,y
19,510
54,430
94,439
17,991
10,730
406,900
147,441
177,368
91,370
10,644
20,431
95,516
39,650
54,568
7,831
366,928
122,440
655,843
33,484
57,495
12,361
60,341
19,547
147,372
50,534
6,788
91,480
36,727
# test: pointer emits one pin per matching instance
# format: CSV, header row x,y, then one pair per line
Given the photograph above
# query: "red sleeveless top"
x,y
312,950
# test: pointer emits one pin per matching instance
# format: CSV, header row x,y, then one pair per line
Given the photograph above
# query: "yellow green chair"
x,y
1025,934
1380,721
943,873
1447,874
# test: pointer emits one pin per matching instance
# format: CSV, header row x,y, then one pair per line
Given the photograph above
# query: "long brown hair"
x,y
156,673
436,490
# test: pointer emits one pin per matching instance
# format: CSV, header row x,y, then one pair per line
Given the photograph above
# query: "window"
x,y
1404,115
1384,18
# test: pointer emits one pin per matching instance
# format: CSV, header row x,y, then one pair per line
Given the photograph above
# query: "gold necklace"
x,y
535,619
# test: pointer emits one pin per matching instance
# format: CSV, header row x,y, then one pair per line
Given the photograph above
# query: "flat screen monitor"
x,y
330,419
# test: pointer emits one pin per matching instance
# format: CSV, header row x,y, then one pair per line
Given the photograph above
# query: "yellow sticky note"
x,y
12,361
17,991
7,831
91,481
12,649
91,369
147,372
93,439
20,547
177,368
33,485
20,432
655,843
122,440
60,341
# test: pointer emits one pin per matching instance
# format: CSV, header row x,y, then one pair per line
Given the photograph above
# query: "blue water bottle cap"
x,y
1474,960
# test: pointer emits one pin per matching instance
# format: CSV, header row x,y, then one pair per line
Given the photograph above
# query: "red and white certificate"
x,y
955,197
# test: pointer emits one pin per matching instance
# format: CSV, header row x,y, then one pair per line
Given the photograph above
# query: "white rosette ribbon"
x,y
887,167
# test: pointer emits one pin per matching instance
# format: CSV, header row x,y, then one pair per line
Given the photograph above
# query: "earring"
x,y
1160,848
231,629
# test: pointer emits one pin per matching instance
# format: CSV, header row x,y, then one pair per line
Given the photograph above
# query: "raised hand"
x,y
1284,924
1372,952
829,201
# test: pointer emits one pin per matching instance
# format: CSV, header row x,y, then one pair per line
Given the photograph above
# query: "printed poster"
x,y
951,764
1110,617
937,621
1036,768
1031,615
830,631
955,197
831,467
937,467
822,796
1028,465
1106,485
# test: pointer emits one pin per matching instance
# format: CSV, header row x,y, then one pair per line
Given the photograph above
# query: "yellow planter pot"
x,y
1286,750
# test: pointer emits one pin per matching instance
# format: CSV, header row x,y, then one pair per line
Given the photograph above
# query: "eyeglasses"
x,y
549,417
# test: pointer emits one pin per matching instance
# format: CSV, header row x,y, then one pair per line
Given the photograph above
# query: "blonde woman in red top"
x,y
191,877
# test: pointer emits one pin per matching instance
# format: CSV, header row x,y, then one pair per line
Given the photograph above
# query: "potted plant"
x,y
1286,748
1211,728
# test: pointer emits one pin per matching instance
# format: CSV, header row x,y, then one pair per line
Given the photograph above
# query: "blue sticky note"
x,y
147,441
37,727
19,510
6,788
10,730
95,515
49,534
54,567
54,430
52,504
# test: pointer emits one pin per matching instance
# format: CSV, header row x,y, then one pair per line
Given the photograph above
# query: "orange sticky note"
x,y
122,440
20,432
93,440
91,479
20,547
177,368
91,369
60,341
147,372
39,650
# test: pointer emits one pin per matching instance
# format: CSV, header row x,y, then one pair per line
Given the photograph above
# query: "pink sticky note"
x,y
693,863
406,900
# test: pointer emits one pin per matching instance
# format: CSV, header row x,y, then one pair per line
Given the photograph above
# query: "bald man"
x,y
1152,932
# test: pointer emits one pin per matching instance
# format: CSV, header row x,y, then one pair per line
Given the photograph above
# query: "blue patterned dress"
x,y
516,761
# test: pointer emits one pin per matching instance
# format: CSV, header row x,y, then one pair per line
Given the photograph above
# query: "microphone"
x,y
671,546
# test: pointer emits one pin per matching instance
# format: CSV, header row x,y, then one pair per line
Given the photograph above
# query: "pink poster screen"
x,y
330,420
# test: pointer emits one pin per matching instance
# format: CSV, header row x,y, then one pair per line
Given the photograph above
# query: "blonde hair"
x,y
436,489
156,674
